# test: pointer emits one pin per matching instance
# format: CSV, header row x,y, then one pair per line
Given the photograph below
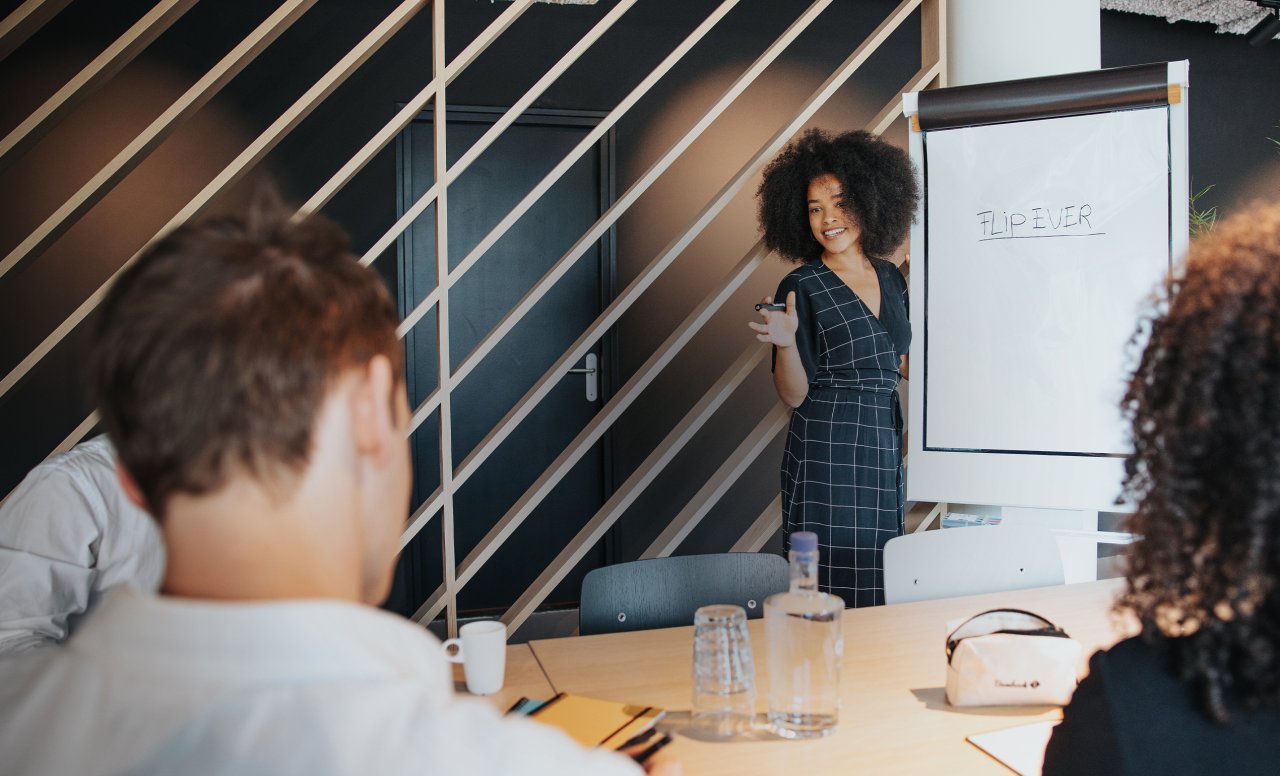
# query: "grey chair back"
x,y
665,592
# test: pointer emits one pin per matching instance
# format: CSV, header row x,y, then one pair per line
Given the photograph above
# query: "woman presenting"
x,y
839,206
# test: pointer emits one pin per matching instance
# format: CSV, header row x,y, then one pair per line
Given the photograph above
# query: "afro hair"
x,y
877,179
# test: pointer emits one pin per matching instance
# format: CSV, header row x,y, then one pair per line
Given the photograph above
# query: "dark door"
x,y
478,200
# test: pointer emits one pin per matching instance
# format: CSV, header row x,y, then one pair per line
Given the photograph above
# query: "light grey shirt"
x,y
68,533
161,685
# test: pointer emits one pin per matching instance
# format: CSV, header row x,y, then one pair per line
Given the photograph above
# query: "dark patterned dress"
x,y
842,474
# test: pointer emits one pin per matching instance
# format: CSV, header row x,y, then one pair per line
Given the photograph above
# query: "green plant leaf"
x,y
1201,220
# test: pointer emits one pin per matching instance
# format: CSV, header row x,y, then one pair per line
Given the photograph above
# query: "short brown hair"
x,y
214,352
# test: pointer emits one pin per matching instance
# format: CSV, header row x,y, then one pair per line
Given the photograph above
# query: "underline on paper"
x,y
1039,236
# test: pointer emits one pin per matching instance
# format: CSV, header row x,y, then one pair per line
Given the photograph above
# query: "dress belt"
x,y
891,396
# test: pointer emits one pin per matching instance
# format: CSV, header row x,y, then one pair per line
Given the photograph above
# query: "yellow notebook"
x,y
593,722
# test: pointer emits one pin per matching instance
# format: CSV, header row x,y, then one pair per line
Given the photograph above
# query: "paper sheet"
x,y
1020,748
1045,238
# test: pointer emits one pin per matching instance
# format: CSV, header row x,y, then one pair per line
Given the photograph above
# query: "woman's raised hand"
x,y
779,327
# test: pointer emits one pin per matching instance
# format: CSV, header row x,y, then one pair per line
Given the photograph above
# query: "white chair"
x,y
967,561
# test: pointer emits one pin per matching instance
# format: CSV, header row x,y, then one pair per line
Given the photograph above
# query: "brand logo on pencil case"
x,y
1025,683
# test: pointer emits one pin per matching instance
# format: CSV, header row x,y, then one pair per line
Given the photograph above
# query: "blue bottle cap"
x,y
804,541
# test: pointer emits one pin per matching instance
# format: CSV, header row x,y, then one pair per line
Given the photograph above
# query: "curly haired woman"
x,y
839,206
1199,690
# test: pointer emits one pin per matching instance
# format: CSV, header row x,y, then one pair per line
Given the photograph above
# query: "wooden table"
x,y
894,717
524,679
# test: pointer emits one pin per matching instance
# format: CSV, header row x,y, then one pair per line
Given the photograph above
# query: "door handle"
x,y
590,369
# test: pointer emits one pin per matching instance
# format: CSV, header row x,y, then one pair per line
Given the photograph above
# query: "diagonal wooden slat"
x,y
353,166
604,419
25,20
509,522
892,110
605,222
76,434
120,53
623,203
588,142
439,400
233,172
183,108
419,206
641,478
431,403
68,442
932,513
770,520
423,513
424,410
656,267
753,539
411,110
764,526
719,483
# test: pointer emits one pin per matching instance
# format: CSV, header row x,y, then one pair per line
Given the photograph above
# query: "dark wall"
x,y
1234,102
37,296
1234,108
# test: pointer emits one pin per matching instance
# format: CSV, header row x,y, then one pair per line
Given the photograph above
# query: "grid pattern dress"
x,y
842,474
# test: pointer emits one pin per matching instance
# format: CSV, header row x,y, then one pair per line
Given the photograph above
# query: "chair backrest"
x,y
665,592
968,561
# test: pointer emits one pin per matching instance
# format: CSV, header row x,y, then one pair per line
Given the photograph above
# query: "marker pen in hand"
x,y
775,306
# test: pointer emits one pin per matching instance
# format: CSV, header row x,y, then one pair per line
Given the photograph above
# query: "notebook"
x,y
593,722
1021,748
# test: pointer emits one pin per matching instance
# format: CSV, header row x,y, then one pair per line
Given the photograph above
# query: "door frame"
x,y
607,194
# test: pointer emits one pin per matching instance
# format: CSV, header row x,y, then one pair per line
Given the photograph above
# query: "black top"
x,y
1133,716
839,341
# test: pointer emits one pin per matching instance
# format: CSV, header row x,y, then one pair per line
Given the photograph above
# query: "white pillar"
x,y
1002,40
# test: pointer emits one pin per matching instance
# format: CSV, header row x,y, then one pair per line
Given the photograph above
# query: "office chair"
x,y
967,561
665,592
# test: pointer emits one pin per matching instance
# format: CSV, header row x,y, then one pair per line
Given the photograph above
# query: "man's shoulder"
x,y
92,455
21,672
143,664
341,693
35,700
87,471
72,509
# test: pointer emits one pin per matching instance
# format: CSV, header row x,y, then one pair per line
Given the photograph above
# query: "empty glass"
x,y
724,682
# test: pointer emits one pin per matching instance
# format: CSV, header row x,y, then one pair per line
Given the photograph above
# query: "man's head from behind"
x,y
248,352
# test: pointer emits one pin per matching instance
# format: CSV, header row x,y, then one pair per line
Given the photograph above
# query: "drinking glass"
x,y
724,682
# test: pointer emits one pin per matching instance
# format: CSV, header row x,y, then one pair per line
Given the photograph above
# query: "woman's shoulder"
x,y
802,274
1137,653
890,270
807,269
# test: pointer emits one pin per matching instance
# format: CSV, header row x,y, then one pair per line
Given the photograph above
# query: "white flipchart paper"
x,y
1045,239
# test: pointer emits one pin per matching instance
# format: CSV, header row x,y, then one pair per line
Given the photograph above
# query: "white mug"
x,y
481,647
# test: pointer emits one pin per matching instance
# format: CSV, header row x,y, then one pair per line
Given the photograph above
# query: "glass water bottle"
x,y
804,646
